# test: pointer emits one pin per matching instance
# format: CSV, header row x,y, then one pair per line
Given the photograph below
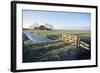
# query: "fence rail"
x,y
84,45
75,40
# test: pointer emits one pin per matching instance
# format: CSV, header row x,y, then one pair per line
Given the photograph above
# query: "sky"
x,y
59,20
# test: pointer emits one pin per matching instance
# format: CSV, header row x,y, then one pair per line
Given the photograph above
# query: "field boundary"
x,y
74,40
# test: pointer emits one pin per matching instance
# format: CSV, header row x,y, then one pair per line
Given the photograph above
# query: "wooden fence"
x,y
74,40
84,45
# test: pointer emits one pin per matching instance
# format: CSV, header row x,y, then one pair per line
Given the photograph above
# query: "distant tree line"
x,y
46,26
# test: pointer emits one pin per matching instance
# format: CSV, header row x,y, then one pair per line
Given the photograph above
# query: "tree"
x,y
48,26
36,25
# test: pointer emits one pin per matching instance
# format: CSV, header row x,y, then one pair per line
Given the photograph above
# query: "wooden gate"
x,y
75,40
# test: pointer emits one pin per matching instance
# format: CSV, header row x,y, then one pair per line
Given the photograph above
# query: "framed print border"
x,y
14,35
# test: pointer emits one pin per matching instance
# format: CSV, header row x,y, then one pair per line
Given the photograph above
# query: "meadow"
x,y
54,51
59,32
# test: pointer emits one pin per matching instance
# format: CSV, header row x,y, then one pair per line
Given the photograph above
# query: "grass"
x,y
35,52
59,32
53,51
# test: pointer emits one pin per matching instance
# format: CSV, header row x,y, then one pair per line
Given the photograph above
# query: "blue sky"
x,y
59,20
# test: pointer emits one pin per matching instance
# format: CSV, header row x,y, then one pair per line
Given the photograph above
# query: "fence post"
x,y
78,41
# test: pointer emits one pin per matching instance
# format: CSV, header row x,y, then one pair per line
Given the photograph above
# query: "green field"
x,y
54,51
59,32
43,52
